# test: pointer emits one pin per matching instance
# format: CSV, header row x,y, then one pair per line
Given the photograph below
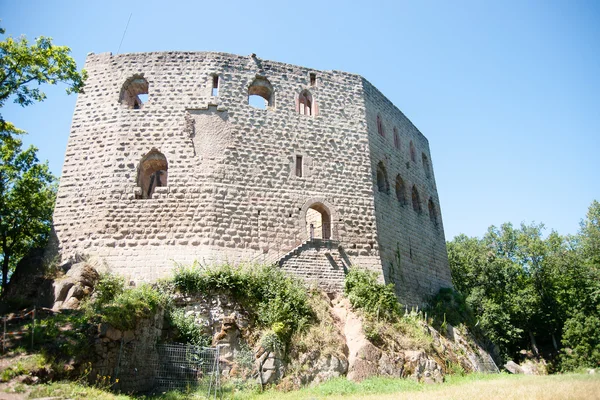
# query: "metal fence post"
x,y
4,336
32,326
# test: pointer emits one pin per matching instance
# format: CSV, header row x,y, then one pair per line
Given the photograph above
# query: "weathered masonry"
x,y
178,156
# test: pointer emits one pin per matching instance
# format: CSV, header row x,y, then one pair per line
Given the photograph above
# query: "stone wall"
x,y
127,359
410,234
229,173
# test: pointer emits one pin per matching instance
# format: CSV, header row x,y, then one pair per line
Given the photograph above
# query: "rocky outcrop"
x,y
76,284
228,340
270,366
366,360
321,367
212,310
230,326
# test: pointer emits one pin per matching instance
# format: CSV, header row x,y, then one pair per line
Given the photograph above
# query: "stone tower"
x,y
182,156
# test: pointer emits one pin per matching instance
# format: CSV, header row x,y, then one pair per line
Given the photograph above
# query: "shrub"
x,y
449,305
364,292
131,305
406,332
24,366
108,287
581,338
275,297
187,329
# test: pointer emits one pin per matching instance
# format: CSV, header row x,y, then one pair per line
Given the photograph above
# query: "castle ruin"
x,y
183,156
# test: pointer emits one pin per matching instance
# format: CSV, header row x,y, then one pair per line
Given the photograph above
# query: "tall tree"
x,y
27,193
27,188
527,290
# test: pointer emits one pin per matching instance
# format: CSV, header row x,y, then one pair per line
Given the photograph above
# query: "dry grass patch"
x,y
553,387
471,387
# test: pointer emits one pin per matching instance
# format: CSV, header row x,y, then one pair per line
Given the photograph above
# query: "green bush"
x,y
364,292
63,334
581,340
449,305
274,296
132,305
108,287
187,329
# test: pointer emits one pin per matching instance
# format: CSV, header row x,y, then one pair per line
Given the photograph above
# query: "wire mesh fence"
x,y
187,367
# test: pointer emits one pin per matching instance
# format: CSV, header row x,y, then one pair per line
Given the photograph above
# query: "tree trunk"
x,y
554,342
5,262
533,344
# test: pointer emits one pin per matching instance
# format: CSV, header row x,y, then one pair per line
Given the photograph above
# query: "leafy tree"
x,y
27,188
27,197
23,67
581,333
526,290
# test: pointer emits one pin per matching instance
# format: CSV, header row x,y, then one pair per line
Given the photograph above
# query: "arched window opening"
x,y
396,139
416,200
305,105
426,166
152,173
260,94
432,212
413,152
380,129
134,92
401,191
318,222
382,181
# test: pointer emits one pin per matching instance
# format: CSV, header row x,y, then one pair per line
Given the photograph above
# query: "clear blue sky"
x,y
507,92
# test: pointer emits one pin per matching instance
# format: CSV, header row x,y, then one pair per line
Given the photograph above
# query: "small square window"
x,y
313,79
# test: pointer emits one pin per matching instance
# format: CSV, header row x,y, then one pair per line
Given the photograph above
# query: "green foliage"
x,y
23,366
271,341
275,297
63,334
450,306
132,305
581,338
521,285
406,332
27,188
23,66
74,390
188,331
364,292
122,307
109,286
27,193
454,368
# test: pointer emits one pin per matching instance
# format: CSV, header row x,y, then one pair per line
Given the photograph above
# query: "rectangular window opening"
x,y
215,85
313,79
299,166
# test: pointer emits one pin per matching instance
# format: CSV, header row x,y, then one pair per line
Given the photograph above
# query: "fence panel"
x,y
187,367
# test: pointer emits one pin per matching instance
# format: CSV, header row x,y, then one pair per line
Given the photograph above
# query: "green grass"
x,y
23,366
73,390
472,386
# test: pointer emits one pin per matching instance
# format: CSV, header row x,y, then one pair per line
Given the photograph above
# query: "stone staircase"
x,y
321,261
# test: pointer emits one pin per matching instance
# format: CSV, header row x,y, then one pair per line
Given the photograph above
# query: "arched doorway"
x,y
318,222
